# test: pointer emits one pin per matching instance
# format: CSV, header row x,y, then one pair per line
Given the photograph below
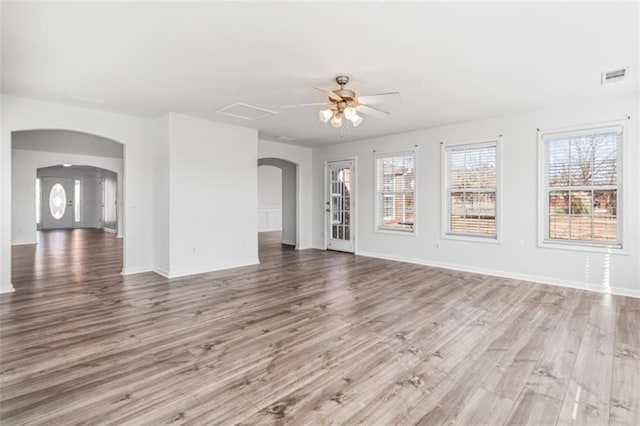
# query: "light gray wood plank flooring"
x,y
306,337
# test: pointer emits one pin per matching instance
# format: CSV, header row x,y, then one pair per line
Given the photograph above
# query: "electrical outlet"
x,y
437,245
193,251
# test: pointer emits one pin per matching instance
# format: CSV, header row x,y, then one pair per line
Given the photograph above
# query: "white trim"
x,y
619,126
110,231
444,201
28,243
197,271
589,126
7,289
137,270
620,291
377,208
266,211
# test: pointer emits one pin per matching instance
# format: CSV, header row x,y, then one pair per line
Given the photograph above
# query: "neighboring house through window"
x,y
395,192
581,179
470,198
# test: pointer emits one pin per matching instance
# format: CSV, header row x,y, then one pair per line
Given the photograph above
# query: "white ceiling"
x,y
66,142
452,62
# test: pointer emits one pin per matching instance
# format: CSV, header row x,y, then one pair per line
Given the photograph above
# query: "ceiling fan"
x,y
344,104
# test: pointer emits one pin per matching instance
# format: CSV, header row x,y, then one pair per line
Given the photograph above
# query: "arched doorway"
x,y
71,183
289,198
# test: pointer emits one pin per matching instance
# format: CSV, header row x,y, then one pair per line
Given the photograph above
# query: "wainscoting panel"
x,y
269,219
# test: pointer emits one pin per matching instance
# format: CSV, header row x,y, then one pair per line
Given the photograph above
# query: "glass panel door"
x,y
339,205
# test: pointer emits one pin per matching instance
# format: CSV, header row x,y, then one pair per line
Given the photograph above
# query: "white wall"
x,y
27,114
161,194
269,199
24,172
269,186
302,157
213,193
518,255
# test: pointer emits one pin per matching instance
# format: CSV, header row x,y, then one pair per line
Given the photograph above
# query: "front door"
x,y
57,203
339,205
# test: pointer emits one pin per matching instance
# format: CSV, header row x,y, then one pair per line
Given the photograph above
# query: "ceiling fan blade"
x,y
330,93
304,105
372,111
380,98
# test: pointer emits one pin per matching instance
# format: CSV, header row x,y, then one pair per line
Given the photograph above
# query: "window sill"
x,y
582,248
396,232
471,238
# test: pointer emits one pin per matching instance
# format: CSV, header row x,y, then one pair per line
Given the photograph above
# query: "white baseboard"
x,y
503,274
4,289
321,247
26,243
109,230
269,229
203,270
138,270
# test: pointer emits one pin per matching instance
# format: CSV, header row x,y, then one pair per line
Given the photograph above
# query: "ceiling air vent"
x,y
245,111
614,76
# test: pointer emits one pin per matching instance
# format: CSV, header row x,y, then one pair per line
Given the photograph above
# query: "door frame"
x,y
354,204
44,202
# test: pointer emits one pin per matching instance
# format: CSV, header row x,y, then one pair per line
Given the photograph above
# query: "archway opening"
x,y
67,206
277,203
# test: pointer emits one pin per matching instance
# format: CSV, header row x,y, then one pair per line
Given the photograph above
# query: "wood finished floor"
x,y
305,337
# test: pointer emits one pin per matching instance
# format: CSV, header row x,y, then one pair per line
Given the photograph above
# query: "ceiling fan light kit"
x,y
344,104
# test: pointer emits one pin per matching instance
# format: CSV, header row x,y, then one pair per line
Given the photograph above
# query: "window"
x,y
395,191
76,197
38,196
57,201
581,174
471,189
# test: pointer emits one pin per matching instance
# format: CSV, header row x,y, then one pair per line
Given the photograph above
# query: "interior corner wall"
x,y
302,157
213,191
28,114
518,254
161,194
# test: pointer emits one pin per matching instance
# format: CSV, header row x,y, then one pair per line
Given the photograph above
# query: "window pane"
x,y
472,189
605,221
559,215
580,222
587,165
558,166
38,196
396,186
76,200
57,201
581,161
605,171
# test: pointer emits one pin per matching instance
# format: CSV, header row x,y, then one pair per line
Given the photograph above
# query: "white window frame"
x,y
445,234
377,200
543,206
